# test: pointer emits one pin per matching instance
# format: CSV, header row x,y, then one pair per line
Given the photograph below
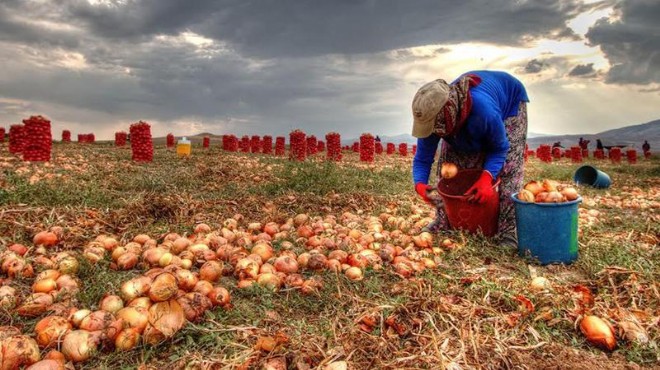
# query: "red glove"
x,y
421,189
482,190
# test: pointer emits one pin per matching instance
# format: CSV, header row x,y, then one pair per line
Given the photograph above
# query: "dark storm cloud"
x,y
534,66
583,70
631,43
304,28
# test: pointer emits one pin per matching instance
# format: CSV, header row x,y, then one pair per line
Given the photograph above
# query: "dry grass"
x,y
470,312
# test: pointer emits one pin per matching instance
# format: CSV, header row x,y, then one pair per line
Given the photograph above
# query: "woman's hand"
x,y
482,190
422,190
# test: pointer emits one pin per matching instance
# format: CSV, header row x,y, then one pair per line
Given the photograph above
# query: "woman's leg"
x,y
512,174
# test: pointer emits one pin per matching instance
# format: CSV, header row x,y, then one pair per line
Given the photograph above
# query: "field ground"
x,y
469,312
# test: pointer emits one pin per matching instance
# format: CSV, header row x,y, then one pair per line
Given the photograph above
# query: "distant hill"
x,y
632,136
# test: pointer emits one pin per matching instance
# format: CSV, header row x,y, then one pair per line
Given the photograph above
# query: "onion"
x,y
598,332
357,260
134,317
246,269
143,302
194,305
204,287
164,287
97,320
18,351
526,196
333,265
68,283
35,305
540,283
111,303
311,285
152,336
134,288
403,269
550,185
127,261
317,261
202,229
167,317
80,345
554,197
19,249
134,247
141,238
269,281
570,193
219,296
44,286
245,283
294,280
55,355
166,259
51,329
109,243
77,317
448,170
127,339
211,271
263,250
338,255
180,245
68,265
45,238
300,219
534,187
8,298
47,364
186,279
354,273
541,197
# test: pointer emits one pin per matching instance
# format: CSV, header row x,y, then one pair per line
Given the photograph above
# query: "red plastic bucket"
x,y
464,215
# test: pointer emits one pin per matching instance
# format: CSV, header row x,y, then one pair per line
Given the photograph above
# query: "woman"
x,y
482,121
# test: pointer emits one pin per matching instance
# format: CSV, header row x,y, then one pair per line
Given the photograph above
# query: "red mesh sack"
x,y
38,139
333,140
267,144
280,142
297,145
367,148
141,142
16,139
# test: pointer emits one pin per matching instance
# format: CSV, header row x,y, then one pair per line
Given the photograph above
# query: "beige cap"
x,y
426,105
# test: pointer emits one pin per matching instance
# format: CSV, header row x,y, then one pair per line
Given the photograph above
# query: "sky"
x,y
259,67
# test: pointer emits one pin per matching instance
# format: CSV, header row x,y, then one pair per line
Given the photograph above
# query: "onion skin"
x,y
51,329
80,345
47,364
134,317
219,296
45,238
211,271
354,273
570,194
111,303
18,351
598,332
135,288
526,196
448,170
127,339
534,187
166,317
163,288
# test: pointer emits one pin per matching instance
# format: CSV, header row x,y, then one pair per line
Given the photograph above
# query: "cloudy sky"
x,y
352,66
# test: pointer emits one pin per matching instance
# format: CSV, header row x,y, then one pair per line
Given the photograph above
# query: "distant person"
x,y
377,139
481,118
599,144
557,145
646,147
584,144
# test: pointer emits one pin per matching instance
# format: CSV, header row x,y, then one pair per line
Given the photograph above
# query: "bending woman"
x,y
482,121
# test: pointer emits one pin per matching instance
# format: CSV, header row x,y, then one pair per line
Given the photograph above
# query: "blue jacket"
x,y
494,100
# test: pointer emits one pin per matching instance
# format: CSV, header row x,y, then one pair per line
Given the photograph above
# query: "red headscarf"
x,y
453,114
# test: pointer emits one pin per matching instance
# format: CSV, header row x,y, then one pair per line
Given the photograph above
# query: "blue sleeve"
x,y
497,147
424,157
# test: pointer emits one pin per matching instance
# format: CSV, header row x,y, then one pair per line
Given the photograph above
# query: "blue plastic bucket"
x,y
592,176
547,231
